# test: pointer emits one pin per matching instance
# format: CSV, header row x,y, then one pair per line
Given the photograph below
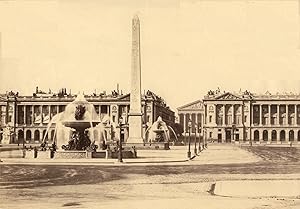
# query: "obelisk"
x,y
135,112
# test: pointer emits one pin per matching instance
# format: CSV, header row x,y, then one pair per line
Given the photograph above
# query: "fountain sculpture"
x,y
74,134
159,132
71,126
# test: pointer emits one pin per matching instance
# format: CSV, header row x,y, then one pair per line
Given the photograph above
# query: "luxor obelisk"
x,y
135,112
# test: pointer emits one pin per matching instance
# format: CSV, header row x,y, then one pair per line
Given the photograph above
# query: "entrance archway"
x,y
228,136
36,135
20,136
52,135
274,135
291,135
28,135
282,135
256,135
265,135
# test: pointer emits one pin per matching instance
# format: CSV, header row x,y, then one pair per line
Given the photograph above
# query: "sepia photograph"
x,y
150,104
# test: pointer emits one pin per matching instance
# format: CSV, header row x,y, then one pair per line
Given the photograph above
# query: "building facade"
x,y
29,116
194,112
252,118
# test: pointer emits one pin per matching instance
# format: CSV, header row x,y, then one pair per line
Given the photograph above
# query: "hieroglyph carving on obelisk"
x,y
135,113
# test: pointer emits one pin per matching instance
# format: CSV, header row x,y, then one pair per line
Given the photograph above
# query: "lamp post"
x,y
200,136
205,140
233,133
195,149
120,157
23,137
189,150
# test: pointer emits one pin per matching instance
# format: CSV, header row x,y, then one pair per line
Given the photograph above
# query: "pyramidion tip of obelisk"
x,y
136,17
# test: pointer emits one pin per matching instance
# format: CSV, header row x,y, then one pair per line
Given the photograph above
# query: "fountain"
x,y
74,133
159,132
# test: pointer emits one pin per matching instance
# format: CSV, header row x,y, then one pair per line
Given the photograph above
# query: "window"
x,y
210,134
9,119
210,118
103,109
245,120
114,118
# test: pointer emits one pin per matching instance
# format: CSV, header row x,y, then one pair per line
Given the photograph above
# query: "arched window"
x,y
28,135
274,135
256,135
282,135
36,135
291,135
20,135
52,135
265,135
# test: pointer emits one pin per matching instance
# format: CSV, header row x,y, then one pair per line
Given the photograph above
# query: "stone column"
x,y
32,114
57,109
135,115
24,114
296,116
270,111
99,114
224,115
184,124
41,109
287,114
233,119
17,115
49,112
260,115
251,114
278,114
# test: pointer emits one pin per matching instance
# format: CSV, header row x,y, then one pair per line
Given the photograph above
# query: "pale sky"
x,y
188,47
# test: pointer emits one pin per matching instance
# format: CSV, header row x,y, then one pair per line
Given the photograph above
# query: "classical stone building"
x,y
247,117
29,116
195,113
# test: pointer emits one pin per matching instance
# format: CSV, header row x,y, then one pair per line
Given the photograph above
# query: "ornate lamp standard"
x,y
205,140
120,157
189,150
195,149
200,136
23,136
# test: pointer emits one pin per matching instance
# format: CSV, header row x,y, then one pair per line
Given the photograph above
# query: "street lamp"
x,y
233,133
195,149
200,135
23,137
205,140
120,157
189,150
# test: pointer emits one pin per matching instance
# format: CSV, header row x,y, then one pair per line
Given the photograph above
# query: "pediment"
x,y
197,105
228,96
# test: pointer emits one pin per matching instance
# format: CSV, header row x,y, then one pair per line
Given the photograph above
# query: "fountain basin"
x,y
77,124
78,154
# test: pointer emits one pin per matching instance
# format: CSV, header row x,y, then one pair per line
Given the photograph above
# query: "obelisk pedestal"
x,y
135,112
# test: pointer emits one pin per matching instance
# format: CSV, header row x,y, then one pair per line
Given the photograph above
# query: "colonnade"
x,y
290,111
